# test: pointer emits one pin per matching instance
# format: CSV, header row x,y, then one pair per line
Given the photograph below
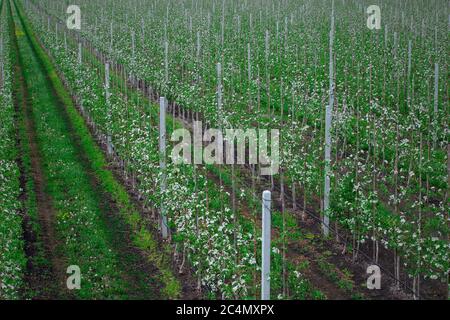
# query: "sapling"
x,y
198,45
108,111
166,61
111,42
222,25
408,84
133,45
220,121
267,52
436,102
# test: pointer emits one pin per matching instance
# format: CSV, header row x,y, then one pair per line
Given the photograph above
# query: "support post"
x,y
266,245
326,197
162,162
436,89
328,119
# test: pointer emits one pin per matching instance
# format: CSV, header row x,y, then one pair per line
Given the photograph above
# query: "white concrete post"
x,y
328,119
436,89
162,162
266,246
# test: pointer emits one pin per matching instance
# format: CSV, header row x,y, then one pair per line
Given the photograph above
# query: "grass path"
x,y
38,229
78,221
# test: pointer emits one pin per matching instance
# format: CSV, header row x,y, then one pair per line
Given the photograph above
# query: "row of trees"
x,y
386,91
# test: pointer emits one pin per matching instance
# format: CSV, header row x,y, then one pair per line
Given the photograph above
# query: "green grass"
x,y
37,257
12,246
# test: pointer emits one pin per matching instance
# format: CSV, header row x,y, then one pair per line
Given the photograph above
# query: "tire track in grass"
x,y
41,244
80,226
137,272
12,247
